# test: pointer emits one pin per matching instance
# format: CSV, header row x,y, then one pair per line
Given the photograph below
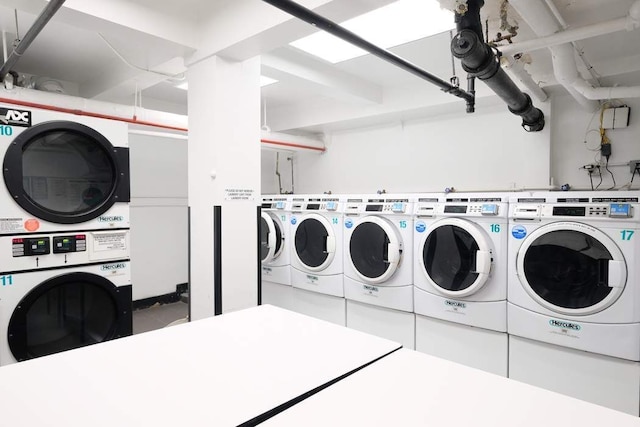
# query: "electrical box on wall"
x,y
615,118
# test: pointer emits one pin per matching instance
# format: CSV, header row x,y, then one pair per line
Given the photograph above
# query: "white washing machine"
x,y
275,249
62,172
460,278
316,256
64,291
574,294
378,266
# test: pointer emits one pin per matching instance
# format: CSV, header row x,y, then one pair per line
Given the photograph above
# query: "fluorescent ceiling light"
x,y
266,81
397,23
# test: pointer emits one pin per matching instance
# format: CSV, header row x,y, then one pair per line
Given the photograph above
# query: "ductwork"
x,y
41,21
479,60
542,21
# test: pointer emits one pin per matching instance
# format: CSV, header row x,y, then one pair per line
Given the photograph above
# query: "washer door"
x,y
65,172
456,257
571,268
69,311
271,238
375,249
315,242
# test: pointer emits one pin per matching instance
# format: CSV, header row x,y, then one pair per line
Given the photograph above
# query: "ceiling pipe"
x,y
542,21
568,36
41,21
306,15
516,67
480,60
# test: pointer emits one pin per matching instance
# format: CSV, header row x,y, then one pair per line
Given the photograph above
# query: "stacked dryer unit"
x,y
460,277
275,251
378,266
64,233
316,257
574,294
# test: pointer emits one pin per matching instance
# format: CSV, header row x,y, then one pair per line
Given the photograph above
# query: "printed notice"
x,y
109,242
11,224
238,194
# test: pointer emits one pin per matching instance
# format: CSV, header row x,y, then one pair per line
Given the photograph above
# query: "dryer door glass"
x,y
369,247
64,172
449,255
568,269
66,312
311,242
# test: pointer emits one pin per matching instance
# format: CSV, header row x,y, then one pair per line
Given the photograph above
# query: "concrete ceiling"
x,y
109,49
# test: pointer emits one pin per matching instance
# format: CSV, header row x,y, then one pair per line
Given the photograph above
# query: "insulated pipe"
x,y
479,60
47,13
595,93
332,28
516,67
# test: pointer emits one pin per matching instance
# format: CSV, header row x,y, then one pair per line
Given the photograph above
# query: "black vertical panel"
x,y
258,257
217,260
189,261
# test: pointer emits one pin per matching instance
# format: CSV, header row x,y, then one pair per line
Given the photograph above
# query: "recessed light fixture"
x,y
266,81
397,23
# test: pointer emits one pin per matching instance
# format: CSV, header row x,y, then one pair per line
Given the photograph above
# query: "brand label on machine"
x,y
371,290
13,117
564,325
113,218
519,232
113,267
348,223
312,279
267,270
456,304
421,226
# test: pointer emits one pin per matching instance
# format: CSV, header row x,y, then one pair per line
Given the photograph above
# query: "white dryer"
x,y
62,172
316,256
64,291
460,278
378,266
574,299
275,249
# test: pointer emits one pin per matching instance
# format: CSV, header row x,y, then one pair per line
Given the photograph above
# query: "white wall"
x,y
487,150
158,214
569,152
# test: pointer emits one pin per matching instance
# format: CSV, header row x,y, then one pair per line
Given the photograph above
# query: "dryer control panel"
x,y
31,246
66,244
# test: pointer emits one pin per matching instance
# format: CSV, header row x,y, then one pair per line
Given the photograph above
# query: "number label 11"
x,y
6,280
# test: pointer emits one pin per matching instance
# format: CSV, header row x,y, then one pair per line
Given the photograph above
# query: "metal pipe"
x,y
332,28
479,60
47,13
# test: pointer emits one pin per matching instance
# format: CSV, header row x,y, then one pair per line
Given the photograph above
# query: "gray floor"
x,y
158,316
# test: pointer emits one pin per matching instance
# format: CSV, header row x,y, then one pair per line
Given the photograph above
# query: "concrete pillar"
x,y
224,157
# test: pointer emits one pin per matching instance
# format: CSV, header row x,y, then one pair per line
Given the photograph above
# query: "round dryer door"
x,y
68,311
571,268
456,257
65,172
315,242
271,238
375,249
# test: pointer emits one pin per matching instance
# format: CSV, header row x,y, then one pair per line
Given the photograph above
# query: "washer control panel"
x,y
66,244
31,246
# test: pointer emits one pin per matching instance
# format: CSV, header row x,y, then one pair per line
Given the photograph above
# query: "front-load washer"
x,y
275,249
316,256
460,278
62,172
66,291
574,294
378,266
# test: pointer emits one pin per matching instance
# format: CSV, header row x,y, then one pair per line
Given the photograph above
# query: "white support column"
x,y
224,155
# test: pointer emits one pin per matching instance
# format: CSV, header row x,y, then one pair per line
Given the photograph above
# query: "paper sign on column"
x,y
238,194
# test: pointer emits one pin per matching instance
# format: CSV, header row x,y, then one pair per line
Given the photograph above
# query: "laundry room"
x,y
296,205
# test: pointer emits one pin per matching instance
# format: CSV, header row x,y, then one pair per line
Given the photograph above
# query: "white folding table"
x,y
221,371
408,388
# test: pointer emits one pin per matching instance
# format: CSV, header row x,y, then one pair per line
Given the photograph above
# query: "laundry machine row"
x,y
505,282
65,277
